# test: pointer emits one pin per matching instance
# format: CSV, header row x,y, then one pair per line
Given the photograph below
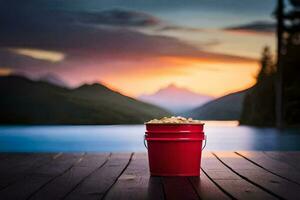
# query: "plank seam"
x,y
57,155
245,178
55,177
218,186
83,179
292,181
115,181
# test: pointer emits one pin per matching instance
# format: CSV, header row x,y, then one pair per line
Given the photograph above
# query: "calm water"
x,y
130,138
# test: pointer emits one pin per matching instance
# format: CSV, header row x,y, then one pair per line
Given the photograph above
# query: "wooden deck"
x,y
224,175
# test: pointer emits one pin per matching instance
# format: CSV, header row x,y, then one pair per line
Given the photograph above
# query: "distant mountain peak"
x,y
53,79
173,89
172,86
175,98
93,86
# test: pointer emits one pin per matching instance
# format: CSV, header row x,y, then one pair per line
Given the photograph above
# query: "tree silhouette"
x,y
259,102
267,64
278,94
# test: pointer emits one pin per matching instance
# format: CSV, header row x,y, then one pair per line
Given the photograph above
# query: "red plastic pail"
x,y
174,149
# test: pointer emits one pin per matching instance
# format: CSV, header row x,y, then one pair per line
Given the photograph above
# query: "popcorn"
x,y
174,120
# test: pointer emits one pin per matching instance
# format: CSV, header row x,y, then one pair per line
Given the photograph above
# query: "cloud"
x,y
98,43
178,28
59,31
128,19
259,27
14,63
11,59
119,17
212,43
4,71
51,56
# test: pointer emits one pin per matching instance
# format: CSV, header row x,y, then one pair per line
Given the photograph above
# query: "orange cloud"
x,y
249,32
4,71
205,76
39,54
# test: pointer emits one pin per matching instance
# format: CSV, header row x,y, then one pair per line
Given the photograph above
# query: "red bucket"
x,y
174,149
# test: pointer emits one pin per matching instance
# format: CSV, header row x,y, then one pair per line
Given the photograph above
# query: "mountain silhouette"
x,y
25,101
228,107
176,99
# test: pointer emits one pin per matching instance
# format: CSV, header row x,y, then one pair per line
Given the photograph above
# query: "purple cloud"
x,y
255,27
119,17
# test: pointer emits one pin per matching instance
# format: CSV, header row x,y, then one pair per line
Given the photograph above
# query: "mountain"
x,y
53,79
228,107
175,99
24,101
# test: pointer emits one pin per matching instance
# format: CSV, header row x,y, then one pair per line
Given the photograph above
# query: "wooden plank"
x,y
18,166
179,188
40,177
290,158
11,160
6,156
135,182
96,185
18,161
276,167
206,189
64,184
233,185
270,183
3,156
250,175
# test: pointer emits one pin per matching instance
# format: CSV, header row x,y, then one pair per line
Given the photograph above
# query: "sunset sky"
x,y
138,46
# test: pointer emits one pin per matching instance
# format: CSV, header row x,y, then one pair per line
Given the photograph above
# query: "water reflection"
x,y
233,123
128,138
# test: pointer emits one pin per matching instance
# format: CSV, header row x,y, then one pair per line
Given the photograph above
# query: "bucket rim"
x,y
174,132
177,124
168,139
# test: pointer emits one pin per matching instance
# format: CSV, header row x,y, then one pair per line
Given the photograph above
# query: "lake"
x,y
126,138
